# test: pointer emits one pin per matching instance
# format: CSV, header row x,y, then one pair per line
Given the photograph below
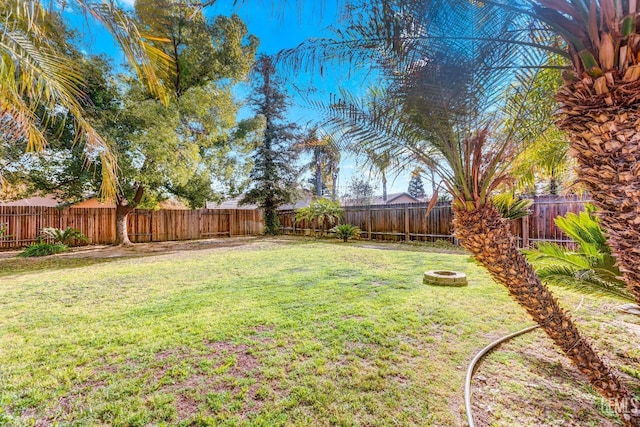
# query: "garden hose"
x,y
481,354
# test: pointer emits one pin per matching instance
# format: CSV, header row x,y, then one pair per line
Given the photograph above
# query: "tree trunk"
x,y
434,187
334,186
384,187
605,141
122,235
318,172
488,236
123,208
553,186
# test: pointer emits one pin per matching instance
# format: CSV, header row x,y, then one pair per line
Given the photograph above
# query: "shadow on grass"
x,y
440,246
18,266
86,256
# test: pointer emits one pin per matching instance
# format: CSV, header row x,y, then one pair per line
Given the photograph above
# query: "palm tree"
x,y
598,102
598,109
381,162
444,107
325,160
471,166
35,73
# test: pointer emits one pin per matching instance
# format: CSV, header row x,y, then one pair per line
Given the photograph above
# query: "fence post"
x,y
406,224
369,222
151,216
293,220
525,231
230,223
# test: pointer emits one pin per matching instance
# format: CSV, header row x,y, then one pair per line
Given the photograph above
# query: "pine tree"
x,y
274,175
416,188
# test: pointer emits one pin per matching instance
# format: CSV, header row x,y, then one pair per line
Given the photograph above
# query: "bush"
x,y
322,211
4,229
43,249
65,237
346,231
591,267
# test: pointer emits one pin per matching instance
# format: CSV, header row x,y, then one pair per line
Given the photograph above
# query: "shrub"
x,y
346,231
43,249
65,237
4,229
590,268
322,211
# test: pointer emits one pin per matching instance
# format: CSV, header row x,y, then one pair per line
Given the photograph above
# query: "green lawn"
x,y
273,332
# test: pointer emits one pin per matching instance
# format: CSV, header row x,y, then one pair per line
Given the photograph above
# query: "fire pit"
x,y
444,278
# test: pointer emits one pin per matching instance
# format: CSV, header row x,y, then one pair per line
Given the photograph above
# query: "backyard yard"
x,y
267,332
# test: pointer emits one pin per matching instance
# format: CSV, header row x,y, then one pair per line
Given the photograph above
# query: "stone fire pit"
x,y
444,278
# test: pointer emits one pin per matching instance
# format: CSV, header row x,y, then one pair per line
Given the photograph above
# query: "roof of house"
x,y
233,203
392,198
49,201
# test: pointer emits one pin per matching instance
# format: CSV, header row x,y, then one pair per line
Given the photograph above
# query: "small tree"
x,y
416,188
511,207
274,175
322,212
359,191
65,237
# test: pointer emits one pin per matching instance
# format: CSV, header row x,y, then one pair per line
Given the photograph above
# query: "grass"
x,y
274,332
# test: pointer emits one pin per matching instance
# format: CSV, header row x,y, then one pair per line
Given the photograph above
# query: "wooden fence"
x,y
405,222
98,224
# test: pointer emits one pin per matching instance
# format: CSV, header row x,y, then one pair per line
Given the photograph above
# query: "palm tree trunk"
x,y
384,187
318,165
488,236
553,186
605,143
334,185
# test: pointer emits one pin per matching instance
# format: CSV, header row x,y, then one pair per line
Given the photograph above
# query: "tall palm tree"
x,y
444,106
471,165
35,73
599,110
381,162
325,160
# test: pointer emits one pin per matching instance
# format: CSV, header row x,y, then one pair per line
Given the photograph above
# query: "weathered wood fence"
x,y
98,224
406,222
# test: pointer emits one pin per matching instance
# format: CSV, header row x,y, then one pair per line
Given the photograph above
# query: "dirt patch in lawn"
x,y
222,378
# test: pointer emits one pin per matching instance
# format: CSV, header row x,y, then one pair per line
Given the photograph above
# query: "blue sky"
x,y
277,29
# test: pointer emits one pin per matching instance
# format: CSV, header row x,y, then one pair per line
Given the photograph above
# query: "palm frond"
x,y
585,281
550,253
34,75
151,64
